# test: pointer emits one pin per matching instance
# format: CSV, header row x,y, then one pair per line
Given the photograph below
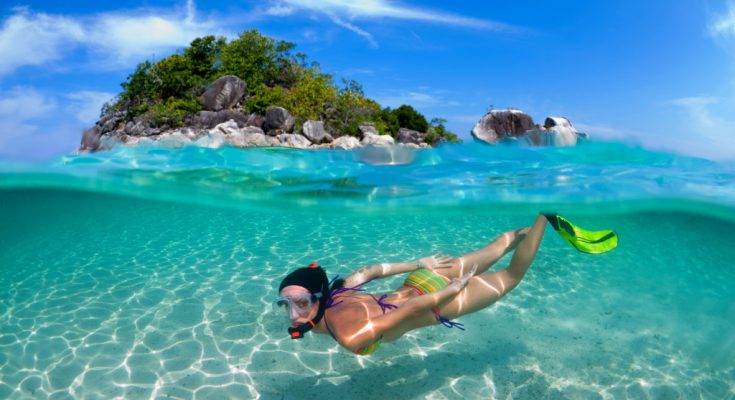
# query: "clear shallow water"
x,y
144,273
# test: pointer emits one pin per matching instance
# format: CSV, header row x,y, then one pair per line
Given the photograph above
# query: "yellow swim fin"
x,y
593,242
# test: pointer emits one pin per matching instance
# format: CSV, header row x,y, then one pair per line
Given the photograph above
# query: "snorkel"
x,y
314,279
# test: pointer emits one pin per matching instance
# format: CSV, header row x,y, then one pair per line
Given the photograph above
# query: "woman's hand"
x,y
461,282
436,261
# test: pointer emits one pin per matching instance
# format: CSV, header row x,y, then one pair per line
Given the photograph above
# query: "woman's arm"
x,y
370,272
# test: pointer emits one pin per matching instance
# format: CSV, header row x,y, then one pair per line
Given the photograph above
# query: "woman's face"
x,y
302,309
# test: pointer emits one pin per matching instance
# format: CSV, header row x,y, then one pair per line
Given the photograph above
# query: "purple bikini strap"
x,y
384,306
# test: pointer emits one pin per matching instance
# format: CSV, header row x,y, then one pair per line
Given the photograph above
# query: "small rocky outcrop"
x,y
499,124
224,93
515,124
409,136
277,121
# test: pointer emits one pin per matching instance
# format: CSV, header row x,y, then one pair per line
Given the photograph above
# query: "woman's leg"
x,y
485,257
486,289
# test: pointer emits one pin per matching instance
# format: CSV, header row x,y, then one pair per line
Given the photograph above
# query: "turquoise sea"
x,y
147,273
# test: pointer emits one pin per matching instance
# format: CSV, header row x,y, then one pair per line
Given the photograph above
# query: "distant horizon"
x,y
658,77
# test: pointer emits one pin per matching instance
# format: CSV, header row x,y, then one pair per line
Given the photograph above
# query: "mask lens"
x,y
301,304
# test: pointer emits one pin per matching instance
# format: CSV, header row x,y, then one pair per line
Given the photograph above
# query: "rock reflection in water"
x,y
386,155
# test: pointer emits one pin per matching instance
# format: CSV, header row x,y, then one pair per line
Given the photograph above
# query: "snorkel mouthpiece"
x,y
297,331
315,280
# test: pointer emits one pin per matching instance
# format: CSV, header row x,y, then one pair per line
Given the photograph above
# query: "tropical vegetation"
x,y
167,91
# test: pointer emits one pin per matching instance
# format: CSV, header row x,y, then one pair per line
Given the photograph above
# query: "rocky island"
x,y
253,92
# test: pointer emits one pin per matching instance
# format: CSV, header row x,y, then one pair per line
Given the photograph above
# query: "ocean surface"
x,y
148,272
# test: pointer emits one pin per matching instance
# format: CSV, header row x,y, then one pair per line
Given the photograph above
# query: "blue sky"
x,y
657,73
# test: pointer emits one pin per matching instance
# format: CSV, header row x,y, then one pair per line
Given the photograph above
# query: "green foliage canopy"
x,y
167,91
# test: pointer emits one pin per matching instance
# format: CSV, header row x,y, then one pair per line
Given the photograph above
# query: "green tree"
x,y
265,96
204,56
438,133
138,91
258,59
308,96
386,122
410,118
350,108
173,77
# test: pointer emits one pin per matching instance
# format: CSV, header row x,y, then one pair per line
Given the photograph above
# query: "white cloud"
x,y
19,107
24,103
86,104
365,9
33,126
122,39
342,12
360,32
358,71
113,40
704,131
36,39
723,25
280,10
698,109
421,97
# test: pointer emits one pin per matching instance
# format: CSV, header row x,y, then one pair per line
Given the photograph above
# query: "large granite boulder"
x,y
251,136
377,140
368,129
314,131
209,119
227,128
293,140
256,120
499,124
224,93
277,121
91,139
229,133
409,136
345,143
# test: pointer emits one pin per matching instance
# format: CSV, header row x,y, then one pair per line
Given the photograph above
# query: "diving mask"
x,y
298,305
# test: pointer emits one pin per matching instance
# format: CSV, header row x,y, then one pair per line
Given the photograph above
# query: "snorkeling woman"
x,y
438,289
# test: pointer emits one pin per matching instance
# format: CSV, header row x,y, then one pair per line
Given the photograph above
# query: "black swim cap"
x,y
313,278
